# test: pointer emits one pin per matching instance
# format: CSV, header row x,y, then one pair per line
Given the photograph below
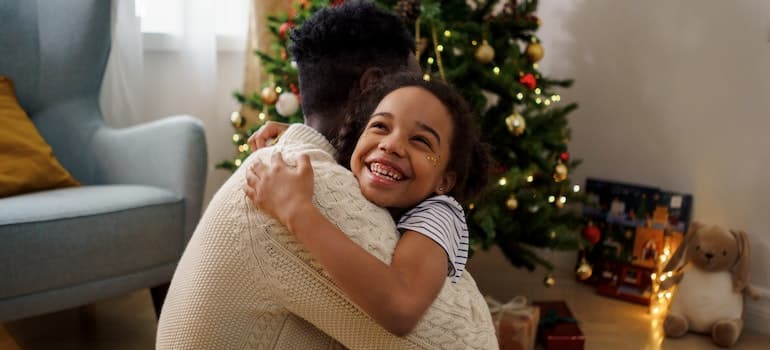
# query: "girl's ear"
x,y
447,183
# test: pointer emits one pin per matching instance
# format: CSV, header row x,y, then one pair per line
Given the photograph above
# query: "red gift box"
x,y
559,330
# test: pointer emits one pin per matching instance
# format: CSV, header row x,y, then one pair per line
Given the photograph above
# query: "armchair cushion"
x,y
61,238
27,162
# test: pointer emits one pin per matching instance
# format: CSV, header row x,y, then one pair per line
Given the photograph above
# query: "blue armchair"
x,y
126,227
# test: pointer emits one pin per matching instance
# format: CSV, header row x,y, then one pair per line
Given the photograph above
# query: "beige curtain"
x,y
259,38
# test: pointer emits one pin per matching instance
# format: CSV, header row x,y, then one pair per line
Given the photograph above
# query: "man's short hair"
x,y
337,44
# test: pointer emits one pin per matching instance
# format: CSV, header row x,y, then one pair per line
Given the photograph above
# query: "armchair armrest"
x,y
169,153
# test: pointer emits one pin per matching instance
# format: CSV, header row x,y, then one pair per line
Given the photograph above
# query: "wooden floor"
x,y
128,322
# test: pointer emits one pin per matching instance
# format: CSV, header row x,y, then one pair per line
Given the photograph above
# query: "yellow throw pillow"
x,y
27,163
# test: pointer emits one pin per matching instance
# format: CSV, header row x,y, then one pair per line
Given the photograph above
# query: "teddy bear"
x,y
711,269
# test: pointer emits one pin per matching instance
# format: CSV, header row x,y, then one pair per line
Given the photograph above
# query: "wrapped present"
x,y
558,330
515,323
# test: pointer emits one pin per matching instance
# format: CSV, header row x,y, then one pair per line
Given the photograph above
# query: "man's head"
x,y
341,50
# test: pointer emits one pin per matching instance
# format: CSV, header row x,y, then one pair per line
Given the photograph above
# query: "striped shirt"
x,y
441,219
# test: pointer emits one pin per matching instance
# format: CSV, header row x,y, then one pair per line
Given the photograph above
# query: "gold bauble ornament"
x,y
269,96
549,280
237,120
512,203
516,124
485,53
560,172
534,51
584,270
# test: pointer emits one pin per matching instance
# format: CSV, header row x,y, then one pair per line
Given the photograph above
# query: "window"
x,y
162,20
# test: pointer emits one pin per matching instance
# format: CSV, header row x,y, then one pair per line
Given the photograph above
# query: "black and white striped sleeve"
x,y
442,219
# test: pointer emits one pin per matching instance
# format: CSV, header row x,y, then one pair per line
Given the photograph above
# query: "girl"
x,y
415,147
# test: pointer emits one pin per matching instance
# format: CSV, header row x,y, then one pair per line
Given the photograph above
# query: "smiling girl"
x,y
411,144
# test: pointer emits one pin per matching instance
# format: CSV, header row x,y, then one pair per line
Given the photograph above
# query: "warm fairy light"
x,y
502,181
262,116
538,100
474,42
430,60
653,276
471,206
662,278
660,295
520,96
440,48
666,251
655,310
537,91
663,258
556,98
551,199
668,295
535,65
237,162
670,273
576,188
236,138
278,89
553,235
426,77
547,102
563,199
530,178
447,33
496,70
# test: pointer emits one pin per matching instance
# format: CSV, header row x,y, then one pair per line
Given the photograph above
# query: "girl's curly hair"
x,y
469,157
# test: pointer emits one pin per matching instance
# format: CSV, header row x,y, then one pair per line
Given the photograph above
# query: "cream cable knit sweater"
x,y
243,275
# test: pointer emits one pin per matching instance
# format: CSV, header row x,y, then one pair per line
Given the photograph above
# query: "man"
x,y
243,280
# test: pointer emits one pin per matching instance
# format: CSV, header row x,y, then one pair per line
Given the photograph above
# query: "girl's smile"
x,y
401,156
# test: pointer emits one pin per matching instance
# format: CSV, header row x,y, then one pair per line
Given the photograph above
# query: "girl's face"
x,y
402,155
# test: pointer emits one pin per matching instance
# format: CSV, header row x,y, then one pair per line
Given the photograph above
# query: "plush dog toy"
x,y
711,268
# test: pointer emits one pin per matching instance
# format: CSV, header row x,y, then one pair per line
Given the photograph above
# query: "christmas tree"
x,y
489,50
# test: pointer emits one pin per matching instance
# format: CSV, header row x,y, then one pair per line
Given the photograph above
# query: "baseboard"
x,y
757,313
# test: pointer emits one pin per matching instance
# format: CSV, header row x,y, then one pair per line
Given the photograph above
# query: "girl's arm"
x,y
395,296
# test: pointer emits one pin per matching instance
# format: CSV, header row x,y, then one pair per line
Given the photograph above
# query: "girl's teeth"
x,y
379,169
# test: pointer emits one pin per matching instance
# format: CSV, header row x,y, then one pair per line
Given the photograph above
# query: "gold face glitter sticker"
x,y
434,158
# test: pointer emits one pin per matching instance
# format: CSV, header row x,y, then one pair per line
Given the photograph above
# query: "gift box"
x,y
515,323
558,330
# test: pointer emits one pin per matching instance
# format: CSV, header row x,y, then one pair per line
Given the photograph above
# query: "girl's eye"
x,y
423,140
378,125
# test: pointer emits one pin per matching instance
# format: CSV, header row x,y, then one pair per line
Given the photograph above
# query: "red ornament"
x,y
592,234
284,29
564,156
528,80
294,88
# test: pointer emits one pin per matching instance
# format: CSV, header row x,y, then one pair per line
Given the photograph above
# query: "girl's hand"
x,y
279,190
266,135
